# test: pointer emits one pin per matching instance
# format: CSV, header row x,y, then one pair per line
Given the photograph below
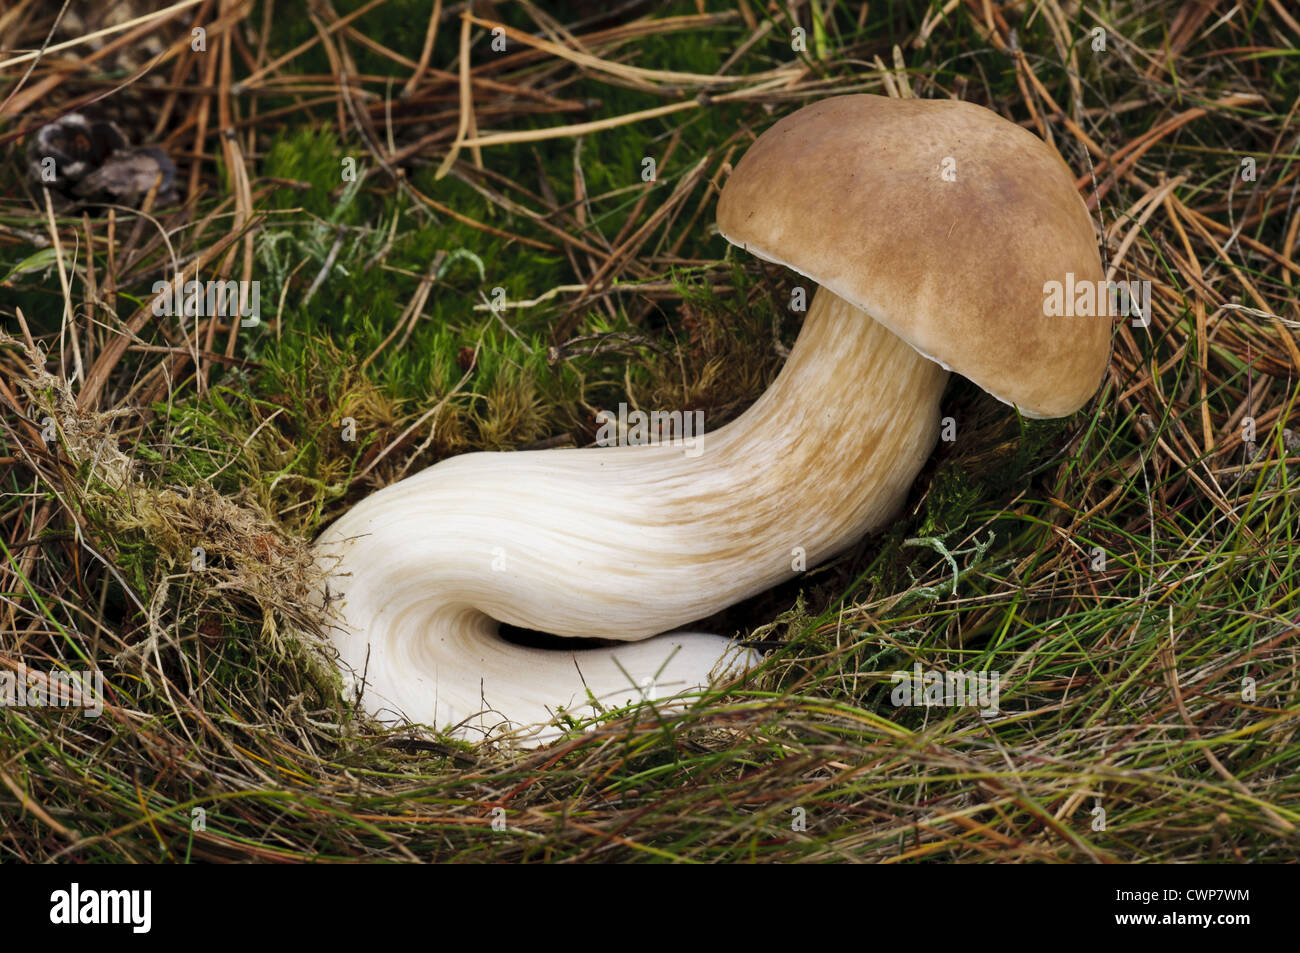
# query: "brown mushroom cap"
x,y
850,192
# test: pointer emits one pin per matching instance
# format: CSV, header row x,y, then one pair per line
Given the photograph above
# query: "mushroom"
x,y
931,228
89,162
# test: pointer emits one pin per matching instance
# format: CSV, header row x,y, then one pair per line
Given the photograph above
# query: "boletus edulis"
x,y
930,228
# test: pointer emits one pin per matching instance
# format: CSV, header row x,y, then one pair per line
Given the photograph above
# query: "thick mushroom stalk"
x,y
624,542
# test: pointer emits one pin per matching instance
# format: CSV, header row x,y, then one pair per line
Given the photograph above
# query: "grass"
x,y
1130,572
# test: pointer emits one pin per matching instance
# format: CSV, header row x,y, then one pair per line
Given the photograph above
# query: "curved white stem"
x,y
623,542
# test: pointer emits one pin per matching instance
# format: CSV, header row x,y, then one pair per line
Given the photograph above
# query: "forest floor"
x,y
456,250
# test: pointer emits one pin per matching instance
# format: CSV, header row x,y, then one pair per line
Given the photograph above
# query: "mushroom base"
x,y
623,542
